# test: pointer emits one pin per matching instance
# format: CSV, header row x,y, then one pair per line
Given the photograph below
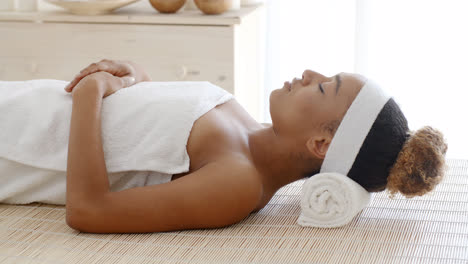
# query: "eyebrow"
x,y
338,83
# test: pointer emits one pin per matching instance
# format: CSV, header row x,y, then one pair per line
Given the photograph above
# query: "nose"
x,y
310,76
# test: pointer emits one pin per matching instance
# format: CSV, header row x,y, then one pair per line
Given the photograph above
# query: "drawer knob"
x,y
182,72
193,72
33,67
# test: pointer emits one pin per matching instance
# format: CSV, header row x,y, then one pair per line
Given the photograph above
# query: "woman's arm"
x,y
216,195
115,67
86,169
210,197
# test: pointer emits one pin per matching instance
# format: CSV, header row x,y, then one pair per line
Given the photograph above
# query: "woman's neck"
x,y
273,159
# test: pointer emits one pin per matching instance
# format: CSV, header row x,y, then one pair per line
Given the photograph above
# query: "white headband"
x,y
354,128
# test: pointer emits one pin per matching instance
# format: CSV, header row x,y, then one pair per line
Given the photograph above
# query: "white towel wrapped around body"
x,y
145,127
145,131
331,200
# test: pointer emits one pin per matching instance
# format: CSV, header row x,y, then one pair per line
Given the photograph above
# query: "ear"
x,y
318,146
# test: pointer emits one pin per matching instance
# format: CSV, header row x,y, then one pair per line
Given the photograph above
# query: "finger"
x,y
116,68
128,81
91,66
74,82
71,84
95,67
79,76
107,60
120,69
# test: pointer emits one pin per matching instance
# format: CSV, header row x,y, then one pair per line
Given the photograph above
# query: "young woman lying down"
x,y
216,163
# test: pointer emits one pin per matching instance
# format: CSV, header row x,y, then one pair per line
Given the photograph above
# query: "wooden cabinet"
x,y
223,49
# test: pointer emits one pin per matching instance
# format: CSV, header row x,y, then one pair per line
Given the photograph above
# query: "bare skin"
x,y
236,163
229,131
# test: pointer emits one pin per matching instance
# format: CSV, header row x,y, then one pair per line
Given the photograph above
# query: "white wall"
x,y
417,49
307,34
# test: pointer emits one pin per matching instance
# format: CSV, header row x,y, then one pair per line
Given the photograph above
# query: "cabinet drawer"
x,y
167,52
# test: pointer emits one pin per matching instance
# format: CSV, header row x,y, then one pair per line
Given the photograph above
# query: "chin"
x,y
274,92
271,99
272,109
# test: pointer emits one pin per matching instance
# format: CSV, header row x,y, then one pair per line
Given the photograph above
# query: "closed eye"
x,y
321,88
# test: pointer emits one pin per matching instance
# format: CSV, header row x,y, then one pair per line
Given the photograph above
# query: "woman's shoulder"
x,y
231,180
242,170
246,172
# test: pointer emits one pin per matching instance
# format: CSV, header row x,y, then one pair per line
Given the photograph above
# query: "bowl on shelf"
x,y
90,7
167,6
214,7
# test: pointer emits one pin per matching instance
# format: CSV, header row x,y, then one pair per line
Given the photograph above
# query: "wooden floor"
x,y
428,229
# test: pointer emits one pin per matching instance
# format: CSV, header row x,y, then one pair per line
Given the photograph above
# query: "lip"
x,y
287,85
294,80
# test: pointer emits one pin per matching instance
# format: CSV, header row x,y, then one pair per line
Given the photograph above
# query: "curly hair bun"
x,y
420,165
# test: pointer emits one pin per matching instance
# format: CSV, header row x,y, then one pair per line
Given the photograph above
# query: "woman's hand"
x,y
117,68
103,83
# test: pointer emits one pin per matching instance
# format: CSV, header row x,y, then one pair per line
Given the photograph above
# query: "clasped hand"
x,y
108,75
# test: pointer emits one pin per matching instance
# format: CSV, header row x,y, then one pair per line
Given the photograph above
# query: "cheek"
x,y
284,114
309,104
288,118
315,110
300,113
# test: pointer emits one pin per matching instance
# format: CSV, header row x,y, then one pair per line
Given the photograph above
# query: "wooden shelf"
x,y
140,12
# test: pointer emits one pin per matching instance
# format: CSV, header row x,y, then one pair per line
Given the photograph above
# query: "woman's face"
x,y
302,105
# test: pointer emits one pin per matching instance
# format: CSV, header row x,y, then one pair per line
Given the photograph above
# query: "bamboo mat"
x,y
428,229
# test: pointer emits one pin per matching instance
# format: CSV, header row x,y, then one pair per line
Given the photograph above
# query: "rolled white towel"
x,y
331,200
